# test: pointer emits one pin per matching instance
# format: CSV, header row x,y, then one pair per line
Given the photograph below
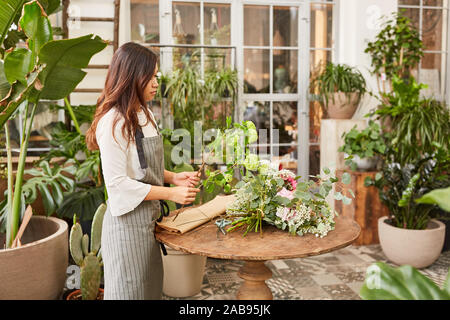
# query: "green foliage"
x,y
400,185
365,143
415,122
383,282
338,78
396,50
440,197
83,201
89,259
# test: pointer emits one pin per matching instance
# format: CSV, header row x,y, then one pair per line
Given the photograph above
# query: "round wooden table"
x,y
254,249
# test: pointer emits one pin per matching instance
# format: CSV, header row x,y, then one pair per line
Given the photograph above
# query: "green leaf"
x,y
18,64
10,9
4,83
82,202
440,197
346,178
64,60
16,96
403,283
36,26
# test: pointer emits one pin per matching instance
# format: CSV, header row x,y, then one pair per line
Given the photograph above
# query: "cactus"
x,y
88,259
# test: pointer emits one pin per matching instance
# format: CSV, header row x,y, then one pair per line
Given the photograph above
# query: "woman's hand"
x,y
183,195
186,179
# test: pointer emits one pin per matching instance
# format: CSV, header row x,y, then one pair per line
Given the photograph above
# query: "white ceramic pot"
x,y
365,164
37,269
417,248
183,273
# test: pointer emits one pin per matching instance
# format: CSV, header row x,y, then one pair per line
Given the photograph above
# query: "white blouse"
x,y
120,164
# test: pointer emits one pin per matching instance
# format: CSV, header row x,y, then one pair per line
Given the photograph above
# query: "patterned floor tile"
x,y
313,293
351,276
326,279
340,292
282,289
355,286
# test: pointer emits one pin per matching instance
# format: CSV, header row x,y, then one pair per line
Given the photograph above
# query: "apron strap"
x,y
139,135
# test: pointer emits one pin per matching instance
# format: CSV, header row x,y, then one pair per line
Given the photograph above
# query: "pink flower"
x,y
286,193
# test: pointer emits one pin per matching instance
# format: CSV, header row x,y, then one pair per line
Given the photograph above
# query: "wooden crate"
x,y
365,208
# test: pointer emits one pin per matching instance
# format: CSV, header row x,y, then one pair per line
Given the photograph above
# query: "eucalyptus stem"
x,y
17,203
10,182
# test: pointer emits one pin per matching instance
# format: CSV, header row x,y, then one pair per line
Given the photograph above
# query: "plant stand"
x,y
365,209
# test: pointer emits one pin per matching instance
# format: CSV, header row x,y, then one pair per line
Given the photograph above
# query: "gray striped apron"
x,y
131,255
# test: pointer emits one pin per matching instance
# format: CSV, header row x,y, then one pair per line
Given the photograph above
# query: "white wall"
x,y
98,8
357,25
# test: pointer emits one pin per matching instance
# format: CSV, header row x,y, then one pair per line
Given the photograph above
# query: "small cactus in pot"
x,y
89,259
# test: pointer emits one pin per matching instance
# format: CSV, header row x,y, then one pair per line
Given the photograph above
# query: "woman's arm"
x,y
169,176
181,195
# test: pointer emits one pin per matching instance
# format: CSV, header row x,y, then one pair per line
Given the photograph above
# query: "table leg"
x,y
254,287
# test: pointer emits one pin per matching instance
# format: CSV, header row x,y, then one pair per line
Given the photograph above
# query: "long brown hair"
x,y
132,67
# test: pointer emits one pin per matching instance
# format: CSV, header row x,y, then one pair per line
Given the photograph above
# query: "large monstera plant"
x,y
38,67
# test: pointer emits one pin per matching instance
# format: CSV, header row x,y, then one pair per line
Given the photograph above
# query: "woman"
x,y
132,158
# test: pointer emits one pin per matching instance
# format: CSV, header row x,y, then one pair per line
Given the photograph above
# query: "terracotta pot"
x,y
37,269
340,107
76,295
417,248
183,273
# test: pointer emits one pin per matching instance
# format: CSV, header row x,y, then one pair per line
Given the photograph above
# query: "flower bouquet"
x,y
278,198
267,193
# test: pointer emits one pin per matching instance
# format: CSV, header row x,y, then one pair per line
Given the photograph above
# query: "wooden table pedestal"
x,y
255,274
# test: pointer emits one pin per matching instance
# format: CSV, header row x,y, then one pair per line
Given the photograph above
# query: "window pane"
x,y
186,22
433,3
217,59
256,71
285,71
314,160
432,75
285,121
186,56
321,25
286,156
433,24
216,23
409,2
318,60
285,26
315,116
256,25
413,15
259,113
145,21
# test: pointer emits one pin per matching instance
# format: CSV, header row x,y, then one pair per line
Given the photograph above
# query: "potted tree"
x,y
362,148
40,68
339,88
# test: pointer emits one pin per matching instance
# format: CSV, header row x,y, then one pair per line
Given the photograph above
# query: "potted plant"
x,y
88,258
383,282
42,69
362,147
339,88
395,52
409,235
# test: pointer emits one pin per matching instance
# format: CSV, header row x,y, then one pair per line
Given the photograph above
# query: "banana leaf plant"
x,y
42,68
383,282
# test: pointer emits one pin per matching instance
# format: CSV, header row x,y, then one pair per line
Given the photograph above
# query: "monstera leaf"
x,y
64,60
51,183
83,203
403,283
10,9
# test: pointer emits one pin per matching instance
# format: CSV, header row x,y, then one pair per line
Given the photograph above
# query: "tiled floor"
x,y
337,275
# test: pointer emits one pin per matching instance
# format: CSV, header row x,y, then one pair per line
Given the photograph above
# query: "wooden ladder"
x,y
115,42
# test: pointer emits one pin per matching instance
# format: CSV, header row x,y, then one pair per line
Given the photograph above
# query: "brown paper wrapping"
x,y
191,218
